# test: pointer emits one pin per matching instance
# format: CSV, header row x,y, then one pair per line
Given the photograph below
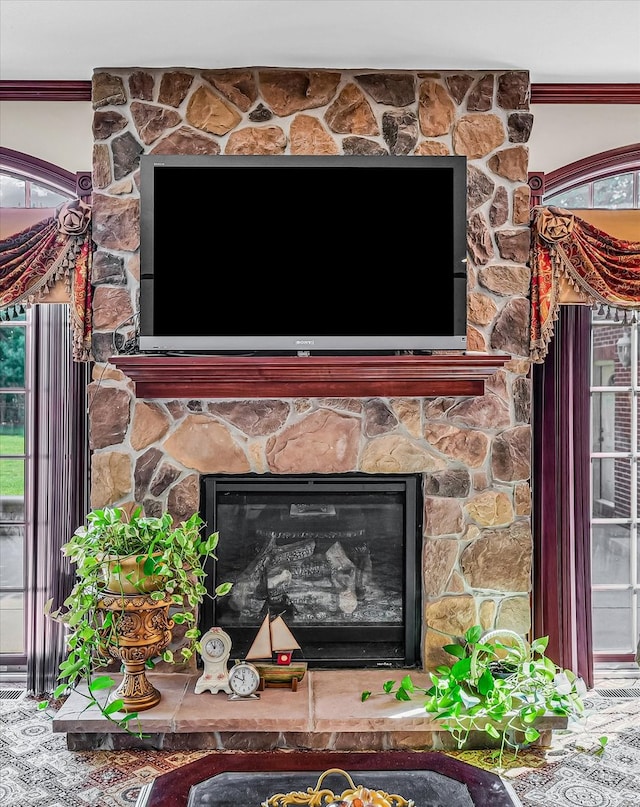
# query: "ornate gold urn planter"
x,y
126,575
140,629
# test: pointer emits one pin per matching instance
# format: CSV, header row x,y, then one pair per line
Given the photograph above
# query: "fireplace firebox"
x,y
337,556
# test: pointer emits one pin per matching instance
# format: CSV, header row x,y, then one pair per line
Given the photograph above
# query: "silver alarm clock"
x,y
244,680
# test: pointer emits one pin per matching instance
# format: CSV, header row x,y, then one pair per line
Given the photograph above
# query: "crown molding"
x,y
45,90
540,93
585,93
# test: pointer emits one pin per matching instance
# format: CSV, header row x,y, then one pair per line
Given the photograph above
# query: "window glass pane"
x,y
12,356
45,197
610,553
12,191
611,421
598,317
611,481
612,622
578,197
613,192
602,488
11,477
12,623
609,354
623,357
622,473
11,545
12,422
611,611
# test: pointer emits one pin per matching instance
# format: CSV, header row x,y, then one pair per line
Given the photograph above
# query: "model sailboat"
x,y
272,654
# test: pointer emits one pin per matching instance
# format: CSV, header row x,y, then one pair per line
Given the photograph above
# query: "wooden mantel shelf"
x,y
308,376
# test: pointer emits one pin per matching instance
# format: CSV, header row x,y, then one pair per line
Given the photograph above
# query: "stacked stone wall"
x,y
474,453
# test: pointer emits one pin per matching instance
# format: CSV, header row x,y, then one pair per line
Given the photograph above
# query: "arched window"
x,y
611,181
42,437
28,182
18,191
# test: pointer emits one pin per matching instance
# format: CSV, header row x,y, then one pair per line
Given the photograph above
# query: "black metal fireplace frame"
x,y
407,638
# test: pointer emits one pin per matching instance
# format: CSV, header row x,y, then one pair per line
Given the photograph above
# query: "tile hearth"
x,y
326,713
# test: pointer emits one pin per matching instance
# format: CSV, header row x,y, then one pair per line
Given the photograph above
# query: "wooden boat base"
x,y
277,676
292,684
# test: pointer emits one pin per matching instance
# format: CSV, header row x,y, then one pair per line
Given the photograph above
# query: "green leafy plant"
x,y
497,684
167,563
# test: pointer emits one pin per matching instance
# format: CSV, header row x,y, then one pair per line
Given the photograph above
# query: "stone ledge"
x,y
326,713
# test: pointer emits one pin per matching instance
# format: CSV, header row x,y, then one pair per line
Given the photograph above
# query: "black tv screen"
x,y
321,254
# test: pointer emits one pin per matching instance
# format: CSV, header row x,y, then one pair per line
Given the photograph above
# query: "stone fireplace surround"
x,y
326,712
158,423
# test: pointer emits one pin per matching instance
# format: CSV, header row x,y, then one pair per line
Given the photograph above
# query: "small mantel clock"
x,y
215,650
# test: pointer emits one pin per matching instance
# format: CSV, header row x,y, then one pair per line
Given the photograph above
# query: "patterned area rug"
x,y
575,771
37,770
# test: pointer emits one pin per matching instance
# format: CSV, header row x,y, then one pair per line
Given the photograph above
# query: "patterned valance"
x,y
603,269
33,260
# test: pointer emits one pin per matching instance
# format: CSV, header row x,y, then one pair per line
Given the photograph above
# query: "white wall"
x,y
56,131
564,133
60,132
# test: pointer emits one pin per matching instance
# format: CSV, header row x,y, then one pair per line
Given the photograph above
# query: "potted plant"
x,y
124,565
497,684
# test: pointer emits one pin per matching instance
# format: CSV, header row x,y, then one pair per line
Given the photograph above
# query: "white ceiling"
x,y
557,41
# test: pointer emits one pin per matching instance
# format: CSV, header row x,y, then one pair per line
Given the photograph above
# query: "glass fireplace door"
x,y
335,556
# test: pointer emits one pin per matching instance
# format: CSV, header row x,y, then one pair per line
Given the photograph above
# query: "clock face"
x,y
244,679
215,647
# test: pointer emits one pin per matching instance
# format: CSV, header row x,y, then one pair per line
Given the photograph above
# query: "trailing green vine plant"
x,y
497,684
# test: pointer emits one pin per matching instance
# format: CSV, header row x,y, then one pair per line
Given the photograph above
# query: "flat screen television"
x,y
315,254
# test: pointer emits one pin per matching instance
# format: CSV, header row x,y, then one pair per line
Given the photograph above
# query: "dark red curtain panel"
x,y
59,486
561,515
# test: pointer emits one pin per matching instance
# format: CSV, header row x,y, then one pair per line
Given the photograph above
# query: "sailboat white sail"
x,y
274,637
